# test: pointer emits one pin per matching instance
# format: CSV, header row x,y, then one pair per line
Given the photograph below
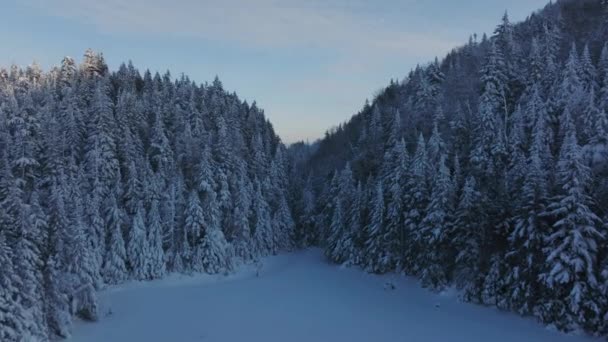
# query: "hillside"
x,y
110,176
485,170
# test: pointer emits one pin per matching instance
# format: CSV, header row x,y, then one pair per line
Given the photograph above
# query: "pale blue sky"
x,y
309,64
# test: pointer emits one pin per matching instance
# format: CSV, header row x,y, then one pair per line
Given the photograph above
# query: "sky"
x,y
310,64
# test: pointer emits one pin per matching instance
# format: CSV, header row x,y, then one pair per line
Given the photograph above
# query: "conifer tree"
x,y
12,315
137,244
375,251
212,250
156,257
417,199
114,268
432,234
571,251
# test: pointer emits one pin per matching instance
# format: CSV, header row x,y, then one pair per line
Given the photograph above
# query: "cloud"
x,y
339,25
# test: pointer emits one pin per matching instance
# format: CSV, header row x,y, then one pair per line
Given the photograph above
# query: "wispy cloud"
x,y
338,25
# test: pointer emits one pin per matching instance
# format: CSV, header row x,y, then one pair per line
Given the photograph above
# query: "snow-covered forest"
x,y
487,171
108,176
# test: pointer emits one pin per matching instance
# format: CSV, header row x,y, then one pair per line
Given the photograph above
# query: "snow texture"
x,y
299,297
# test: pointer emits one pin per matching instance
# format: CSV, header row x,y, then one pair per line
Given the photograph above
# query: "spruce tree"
x,y
571,251
432,234
156,254
375,252
137,244
114,268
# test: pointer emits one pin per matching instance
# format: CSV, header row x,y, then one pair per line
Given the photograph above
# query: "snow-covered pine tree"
x,y
194,223
283,225
526,241
435,256
156,255
588,72
589,118
341,237
56,303
137,244
466,239
214,250
334,249
304,207
375,246
242,241
396,181
571,89
81,270
570,275
114,269
417,198
12,314
603,76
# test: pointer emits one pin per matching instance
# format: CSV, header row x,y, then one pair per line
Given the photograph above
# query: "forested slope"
x,y
486,170
109,176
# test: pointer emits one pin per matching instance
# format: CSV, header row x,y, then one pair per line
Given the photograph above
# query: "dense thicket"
x,y
487,170
108,176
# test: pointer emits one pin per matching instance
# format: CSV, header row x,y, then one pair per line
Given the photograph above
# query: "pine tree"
x,y
375,251
100,157
599,134
22,230
283,225
194,223
340,240
395,219
96,238
466,238
137,244
589,75
56,306
81,271
156,257
571,88
516,150
327,199
536,68
242,211
495,79
552,39
12,315
114,268
416,201
355,225
334,249
590,118
571,252
262,233
603,75
433,230
214,251
436,144
526,241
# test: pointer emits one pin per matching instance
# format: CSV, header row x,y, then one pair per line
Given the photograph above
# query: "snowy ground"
x,y
299,297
